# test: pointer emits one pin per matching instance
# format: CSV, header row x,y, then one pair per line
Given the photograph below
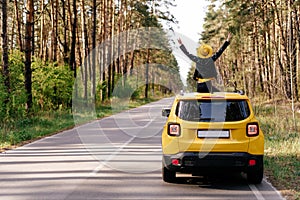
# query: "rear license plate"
x,y
213,134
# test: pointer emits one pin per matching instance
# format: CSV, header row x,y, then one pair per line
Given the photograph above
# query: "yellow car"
x,y
212,133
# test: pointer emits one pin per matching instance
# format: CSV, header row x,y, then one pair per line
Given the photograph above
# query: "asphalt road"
x,y
118,157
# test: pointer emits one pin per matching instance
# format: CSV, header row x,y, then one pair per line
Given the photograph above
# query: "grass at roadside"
x,y
18,132
282,148
14,133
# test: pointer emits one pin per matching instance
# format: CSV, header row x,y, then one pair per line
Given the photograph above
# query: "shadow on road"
x,y
227,181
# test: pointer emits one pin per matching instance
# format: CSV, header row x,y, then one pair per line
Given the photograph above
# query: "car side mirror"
x,y
165,112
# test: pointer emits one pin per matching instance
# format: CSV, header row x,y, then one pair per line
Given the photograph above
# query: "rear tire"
x,y
168,176
255,176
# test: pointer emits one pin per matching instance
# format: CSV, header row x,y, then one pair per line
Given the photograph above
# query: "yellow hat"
x,y
205,51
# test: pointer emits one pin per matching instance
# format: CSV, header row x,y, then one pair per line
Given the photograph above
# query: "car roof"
x,y
215,95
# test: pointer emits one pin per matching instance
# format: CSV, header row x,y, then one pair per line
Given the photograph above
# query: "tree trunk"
x,y
28,52
94,32
84,49
293,50
72,61
103,52
147,73
5,69
54,32
65,33
19,36
109,42
42,41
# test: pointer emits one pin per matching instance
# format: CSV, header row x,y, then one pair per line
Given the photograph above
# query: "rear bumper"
x,y
203,163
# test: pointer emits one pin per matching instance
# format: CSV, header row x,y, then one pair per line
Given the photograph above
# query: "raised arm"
x,y
184,50
222,49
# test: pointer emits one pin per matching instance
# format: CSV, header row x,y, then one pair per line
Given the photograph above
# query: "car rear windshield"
x,y
213,110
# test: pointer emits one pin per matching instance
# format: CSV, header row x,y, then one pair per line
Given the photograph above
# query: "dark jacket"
x,y
205,67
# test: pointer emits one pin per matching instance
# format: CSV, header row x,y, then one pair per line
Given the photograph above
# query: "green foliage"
x,y
51,88
52,85
125,87
143,16
101,91
3,97
18,94
126,91
12,103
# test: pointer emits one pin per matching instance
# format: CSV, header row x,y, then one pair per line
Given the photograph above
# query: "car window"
x,y
213,110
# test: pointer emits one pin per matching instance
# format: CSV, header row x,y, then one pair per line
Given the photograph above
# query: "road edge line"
x,y
256,192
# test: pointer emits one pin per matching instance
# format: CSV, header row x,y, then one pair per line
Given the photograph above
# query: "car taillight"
x,y
176,162
252,129
252,162
174,129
